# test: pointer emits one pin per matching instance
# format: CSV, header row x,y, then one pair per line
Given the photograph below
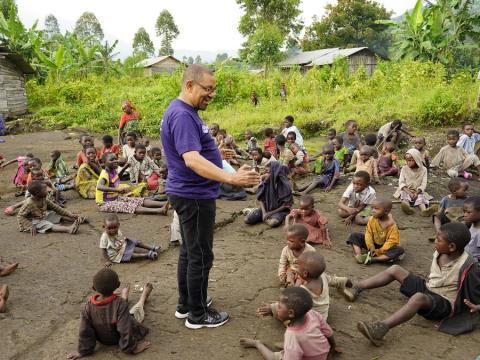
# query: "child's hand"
x,y
473,308
264,310
348,221
74,355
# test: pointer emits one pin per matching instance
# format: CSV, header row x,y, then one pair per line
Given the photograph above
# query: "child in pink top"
x,y
308,336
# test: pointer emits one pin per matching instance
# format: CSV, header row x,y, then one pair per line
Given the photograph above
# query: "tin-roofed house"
x,y
356,58
163,64
13,98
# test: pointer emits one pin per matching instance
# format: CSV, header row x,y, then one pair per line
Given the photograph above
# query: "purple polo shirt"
x,y
182,131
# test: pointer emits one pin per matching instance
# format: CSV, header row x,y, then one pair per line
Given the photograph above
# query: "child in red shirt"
x,y
269,145
108,147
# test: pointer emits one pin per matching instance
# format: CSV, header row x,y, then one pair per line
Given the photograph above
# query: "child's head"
x,y
452,238
331,133
111,224
410,160
55,154
86,140
131,138
127,107
452,137
248,134
156,153
381,207
471,210
280,140
293,304
107,141
360,181
366,153
288,121
297,235
311,265
37,174
257,154
105,282
351,127
458,188
328,152
214,129
291,137
419,143
268,132
38,189
110,160
337,142
389,147
370,139
34,163
140,152
163,172
468,129
91,153
397,124
307,205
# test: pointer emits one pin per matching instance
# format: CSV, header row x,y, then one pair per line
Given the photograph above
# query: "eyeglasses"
x,y
207,88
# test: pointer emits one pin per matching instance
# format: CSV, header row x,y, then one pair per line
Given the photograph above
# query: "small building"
x,y
162,64
356,57
13,98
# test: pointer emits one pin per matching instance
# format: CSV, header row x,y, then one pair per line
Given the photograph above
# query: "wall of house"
x,y
168,65
365,59
13,98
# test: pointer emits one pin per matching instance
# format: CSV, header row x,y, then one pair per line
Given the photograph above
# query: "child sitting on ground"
x,y
450,295
285,155
387,163
259,161
128,150
88,174
108,146
419,144
157,156
312,219
297,236
356,200
341,152
381,240
332,134
251,141
371,140
58,171
308,336
299,165
274,195
39,215
392,132
451,206
412,185
117,248
454,159
142,169
471,211
20,177
86,141
351,140
469,139
269,145
106,318
108,193
328,170
365,161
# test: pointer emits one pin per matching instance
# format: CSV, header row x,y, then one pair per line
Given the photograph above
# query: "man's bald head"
x,y
195,73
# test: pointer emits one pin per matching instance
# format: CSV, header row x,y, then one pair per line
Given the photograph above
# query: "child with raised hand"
x,y
412,185
86,141
297,236
419,143
328,170
269,145
356,200
88,174
448,295
109,191
274,194
108,146
20,177
471,215
387,163
142,169
128,150
469,138
451,206
454,160
39,215
381,240
308,336
341,152
312,219
117,248
106,318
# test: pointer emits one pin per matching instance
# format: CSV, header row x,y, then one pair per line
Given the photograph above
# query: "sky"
x,y
207,27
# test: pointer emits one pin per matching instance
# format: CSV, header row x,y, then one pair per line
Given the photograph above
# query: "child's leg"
x,y
66,229
318,181
150,210
138,310
7,270
266,353
147,247
4,292
152,204
394,272
342,213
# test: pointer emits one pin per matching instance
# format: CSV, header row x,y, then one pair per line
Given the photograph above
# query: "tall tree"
x,y
198,59
350,23
221,57
88,27
142,45
190,60
167,31
6,5
51,27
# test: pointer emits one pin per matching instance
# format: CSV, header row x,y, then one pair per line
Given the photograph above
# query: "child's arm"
x,y
369,237
101,186
343,205
281,208
333,346
282,266
124,167
335,176
8,163
376,178
406,132
24,221
106,258
438,159
266,310
59,210
87,339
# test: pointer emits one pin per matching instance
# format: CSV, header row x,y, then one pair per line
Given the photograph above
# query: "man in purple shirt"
x,y
194,176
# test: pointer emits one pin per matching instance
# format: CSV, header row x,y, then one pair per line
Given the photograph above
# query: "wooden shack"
x,y
356,58
162,64
13,98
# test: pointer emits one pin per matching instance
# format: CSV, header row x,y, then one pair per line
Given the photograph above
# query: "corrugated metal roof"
x,y
153,61
329,58
305,58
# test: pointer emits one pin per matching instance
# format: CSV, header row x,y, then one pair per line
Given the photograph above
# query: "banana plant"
x,y
55,63
107,54
16,37
86,57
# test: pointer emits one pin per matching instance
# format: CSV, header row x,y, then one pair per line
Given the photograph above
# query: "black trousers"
x,y
197,222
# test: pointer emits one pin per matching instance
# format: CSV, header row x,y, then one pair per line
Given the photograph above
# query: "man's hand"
x,y
227,154
245,177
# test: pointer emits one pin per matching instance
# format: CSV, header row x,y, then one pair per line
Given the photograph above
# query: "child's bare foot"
x,y
141,346
125,292
248,343
74,227
8,269
4,292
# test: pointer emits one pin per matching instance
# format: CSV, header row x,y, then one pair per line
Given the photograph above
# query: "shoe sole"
x,y
182,316
364,331
199,326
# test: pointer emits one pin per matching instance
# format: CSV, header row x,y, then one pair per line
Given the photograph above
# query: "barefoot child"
x,y
448,295
365,162
39,215
351,140
312,219
108,146
308,336
108,193
451,206
419,143
88,174
297,235
471,211
412,185
341,152
117,248
128,150
387,163
356,200
106,318
381,241
20,177
328,170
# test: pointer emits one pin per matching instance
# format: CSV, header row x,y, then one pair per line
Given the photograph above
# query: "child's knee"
x,y
342,213
419,300
273,223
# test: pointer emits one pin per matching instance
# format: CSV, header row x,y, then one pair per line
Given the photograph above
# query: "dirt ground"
x,y
55,278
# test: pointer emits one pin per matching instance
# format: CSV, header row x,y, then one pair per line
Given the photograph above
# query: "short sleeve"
x,y
370,197
476,136
292,348
348,192
443,203
104,241
185,133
